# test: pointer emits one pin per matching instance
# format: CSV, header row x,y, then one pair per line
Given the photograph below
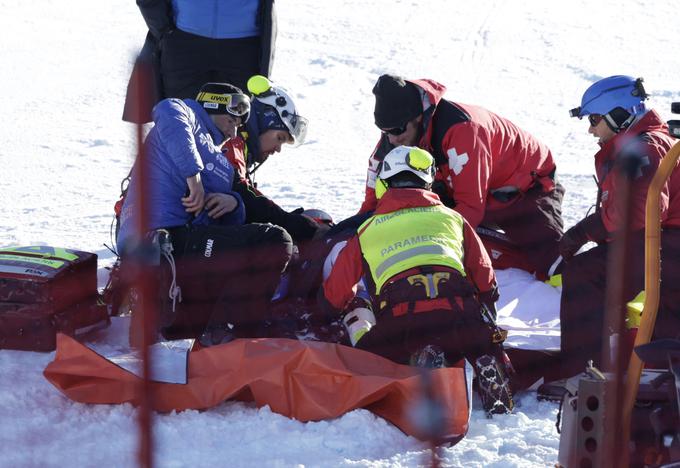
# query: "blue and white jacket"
x,y
183,142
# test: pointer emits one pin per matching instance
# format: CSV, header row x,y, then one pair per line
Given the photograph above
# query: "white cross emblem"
x,y
457,161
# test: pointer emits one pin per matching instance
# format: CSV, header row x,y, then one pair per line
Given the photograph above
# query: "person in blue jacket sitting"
x,y
229,267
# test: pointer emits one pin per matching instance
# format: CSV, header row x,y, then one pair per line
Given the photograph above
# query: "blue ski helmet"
x,y
618,98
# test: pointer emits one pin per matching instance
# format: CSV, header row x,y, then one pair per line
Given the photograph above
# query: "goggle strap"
x,y
234,104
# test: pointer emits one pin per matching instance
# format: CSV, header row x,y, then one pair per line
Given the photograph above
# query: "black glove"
x,y
572,240
321,231
439,187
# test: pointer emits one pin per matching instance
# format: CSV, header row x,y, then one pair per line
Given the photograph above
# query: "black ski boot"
x,y
493,385
552,391
216,335
428,357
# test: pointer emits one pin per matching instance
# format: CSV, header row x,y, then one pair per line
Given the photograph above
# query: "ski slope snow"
x,y
64,149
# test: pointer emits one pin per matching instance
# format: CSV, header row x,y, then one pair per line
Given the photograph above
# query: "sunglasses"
x,y
594,119
396,131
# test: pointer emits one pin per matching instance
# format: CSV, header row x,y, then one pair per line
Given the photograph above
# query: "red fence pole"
x,y
614,353
143,91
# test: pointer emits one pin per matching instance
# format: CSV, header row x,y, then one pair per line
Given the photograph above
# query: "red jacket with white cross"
x,y
477,153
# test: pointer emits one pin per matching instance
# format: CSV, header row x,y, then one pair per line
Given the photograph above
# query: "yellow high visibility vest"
x,y
398,241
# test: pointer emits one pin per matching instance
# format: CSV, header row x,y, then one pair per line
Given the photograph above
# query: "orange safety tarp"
x,y
305,380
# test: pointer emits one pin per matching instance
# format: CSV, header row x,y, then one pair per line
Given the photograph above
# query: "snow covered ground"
x,y
64,150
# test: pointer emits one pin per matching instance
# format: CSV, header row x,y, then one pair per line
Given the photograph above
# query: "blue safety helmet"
x,y
619,99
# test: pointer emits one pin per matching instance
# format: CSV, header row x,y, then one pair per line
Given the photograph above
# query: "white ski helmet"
x,y
411,159
265,92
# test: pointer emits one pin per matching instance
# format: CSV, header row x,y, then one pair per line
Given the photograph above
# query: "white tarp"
x,y
529,309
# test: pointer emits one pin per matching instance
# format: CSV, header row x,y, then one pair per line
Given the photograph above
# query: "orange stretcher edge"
x,y
305,380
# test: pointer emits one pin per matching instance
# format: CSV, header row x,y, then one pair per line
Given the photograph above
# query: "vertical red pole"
x,y
615,354
427,414
143,87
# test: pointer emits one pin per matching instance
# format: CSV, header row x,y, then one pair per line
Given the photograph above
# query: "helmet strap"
x,y
618,119
380,188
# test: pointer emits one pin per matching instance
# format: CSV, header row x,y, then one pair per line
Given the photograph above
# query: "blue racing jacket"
x,y
183,142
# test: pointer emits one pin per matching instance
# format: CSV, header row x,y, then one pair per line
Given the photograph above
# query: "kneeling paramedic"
x,y
431,287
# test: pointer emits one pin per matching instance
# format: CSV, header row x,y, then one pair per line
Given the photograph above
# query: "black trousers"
x,y
227,275
583,298
534,223
453,322
189,61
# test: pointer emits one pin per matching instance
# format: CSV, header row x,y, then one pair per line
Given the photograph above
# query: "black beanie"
x,y
396,102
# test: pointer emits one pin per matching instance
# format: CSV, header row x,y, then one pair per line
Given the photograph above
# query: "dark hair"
x,y
407,180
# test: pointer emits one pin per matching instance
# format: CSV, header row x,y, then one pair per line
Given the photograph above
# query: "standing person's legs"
x,y
234,61
189,61
534,223
185,64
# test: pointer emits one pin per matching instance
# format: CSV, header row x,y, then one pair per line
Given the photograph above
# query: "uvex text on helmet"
x,y
224,98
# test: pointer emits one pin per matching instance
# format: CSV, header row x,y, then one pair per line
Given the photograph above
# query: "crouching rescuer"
x,y
430,287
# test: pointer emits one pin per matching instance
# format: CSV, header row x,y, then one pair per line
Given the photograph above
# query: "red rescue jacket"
x,y
234,150
340,286
647,138
477,153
